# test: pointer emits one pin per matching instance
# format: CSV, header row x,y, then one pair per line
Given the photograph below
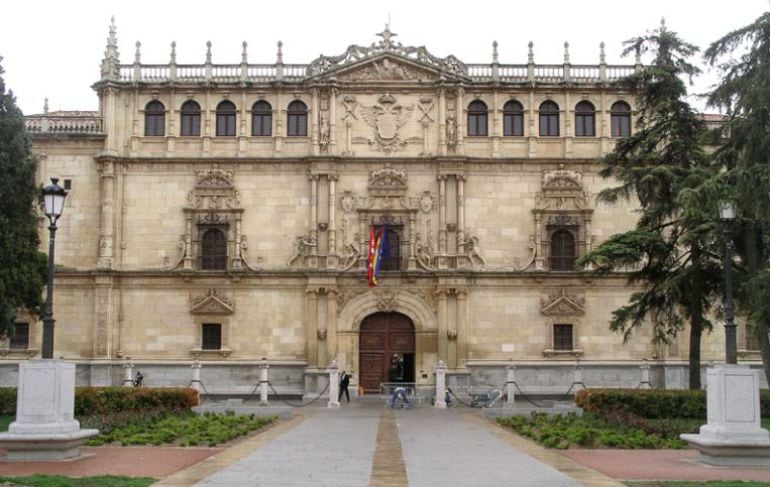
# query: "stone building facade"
x,y
221,214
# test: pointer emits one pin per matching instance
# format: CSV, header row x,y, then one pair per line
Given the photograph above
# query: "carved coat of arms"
x,y
386,118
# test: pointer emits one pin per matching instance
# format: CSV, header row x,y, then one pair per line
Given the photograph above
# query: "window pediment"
x,y
211,304
561,303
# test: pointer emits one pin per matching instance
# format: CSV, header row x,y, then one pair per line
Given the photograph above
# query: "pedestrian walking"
x,y
344,383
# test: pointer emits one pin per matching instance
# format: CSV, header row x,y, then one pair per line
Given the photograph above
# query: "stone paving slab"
x,y
329,448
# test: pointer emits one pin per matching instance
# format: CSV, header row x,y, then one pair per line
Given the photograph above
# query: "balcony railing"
x,y
44,124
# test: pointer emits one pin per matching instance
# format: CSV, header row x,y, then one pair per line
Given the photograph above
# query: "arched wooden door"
x,y
382,335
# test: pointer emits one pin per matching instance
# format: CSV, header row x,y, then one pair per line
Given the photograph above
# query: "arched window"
x,y
513,119
477,119
191,119
154,119
620,119
226,119
261,119
213,249
296,115
562,256
549,119
585,119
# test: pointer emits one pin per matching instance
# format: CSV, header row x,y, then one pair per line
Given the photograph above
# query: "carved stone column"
x,y
412,259
539,250
442,214
497,126
532,139
314,207
462,327
332,121
461,119
451,329
107,215
331,324
311,324
442,122
442,325
315,112
188,260
460,212
332,235
111,120
569,129
280,120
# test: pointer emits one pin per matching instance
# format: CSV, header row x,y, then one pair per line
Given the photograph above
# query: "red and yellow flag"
x,y
377,245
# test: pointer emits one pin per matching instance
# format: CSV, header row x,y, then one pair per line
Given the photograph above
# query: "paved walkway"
x,y
367,445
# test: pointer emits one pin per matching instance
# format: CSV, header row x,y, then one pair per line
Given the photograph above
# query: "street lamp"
x,y
53,203
727,215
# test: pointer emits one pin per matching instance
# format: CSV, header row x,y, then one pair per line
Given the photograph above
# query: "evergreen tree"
x,y
744,156
22,266
660,164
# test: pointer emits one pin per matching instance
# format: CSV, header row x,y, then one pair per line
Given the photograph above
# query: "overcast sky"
x,y
53,48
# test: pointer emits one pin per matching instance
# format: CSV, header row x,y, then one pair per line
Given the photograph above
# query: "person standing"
x,y
344,383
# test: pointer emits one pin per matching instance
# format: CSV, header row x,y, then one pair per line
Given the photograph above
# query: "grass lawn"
x,y
5,421
59,481
681,483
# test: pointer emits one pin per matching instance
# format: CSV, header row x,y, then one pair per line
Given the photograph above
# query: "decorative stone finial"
x,y
602,57
208,52
662,23
386,35
531,53
111,57
244,56
45,106
494,51
112,40
173,53
138,54
566,53
279,56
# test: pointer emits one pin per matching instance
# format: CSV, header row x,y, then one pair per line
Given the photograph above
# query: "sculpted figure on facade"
x,y
451,133
324,132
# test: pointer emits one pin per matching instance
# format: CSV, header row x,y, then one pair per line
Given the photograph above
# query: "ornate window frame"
x,y
562,204
211,308
560,307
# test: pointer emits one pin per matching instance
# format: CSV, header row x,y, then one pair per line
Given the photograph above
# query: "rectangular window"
x,y
212,336
191,125
584,126
225,124
621,125
297,125
513,124
261,125
549,124
154,124
20,337
562,337
68,184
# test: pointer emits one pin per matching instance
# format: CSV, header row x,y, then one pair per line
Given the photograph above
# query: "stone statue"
x,y
324,133
451,133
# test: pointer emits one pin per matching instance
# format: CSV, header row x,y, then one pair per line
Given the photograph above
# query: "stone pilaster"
x,y
107,215
103,316
311,327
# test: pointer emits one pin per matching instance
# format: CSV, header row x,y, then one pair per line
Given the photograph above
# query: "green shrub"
x,y
7,401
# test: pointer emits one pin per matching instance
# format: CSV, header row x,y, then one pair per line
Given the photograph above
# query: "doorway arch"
x,y
381,335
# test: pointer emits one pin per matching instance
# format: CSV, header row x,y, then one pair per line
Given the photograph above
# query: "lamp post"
x,y
53,202
727,215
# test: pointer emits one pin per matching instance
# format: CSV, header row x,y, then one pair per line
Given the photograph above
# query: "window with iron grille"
x,y
585,119
549,119
214,249
562,250
620,119
226,119
513,119
562,337
211,336
391,258
477,119
154,119
20,336
296,118
261,119
191,119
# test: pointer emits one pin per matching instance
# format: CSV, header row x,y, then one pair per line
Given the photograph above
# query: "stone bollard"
x,y
578,381
440,402
263,382
645,382
334,385
128,374
510,386
195,383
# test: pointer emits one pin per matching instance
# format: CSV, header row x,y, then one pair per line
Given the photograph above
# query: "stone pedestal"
x,y
440,401
733,435
45,427
334,385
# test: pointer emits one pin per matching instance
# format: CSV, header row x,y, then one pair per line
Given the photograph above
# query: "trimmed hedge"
x,y
653,403
100,401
